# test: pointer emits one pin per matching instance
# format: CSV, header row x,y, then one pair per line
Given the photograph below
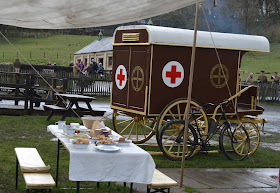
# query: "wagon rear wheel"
x,y
133,127
171,139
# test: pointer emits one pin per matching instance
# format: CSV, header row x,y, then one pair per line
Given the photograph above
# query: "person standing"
x,y
76,69
17,66
81,66
275,86
100,68
262,82
250,79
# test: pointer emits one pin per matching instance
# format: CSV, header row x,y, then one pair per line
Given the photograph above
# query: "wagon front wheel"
x,y
234,142
133,127
171,140
254,136
177,110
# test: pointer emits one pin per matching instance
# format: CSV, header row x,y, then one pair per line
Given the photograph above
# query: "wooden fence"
x,y
62,78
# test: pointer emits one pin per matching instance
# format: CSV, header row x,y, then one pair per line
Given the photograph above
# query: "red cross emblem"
x,y
173,74
121,77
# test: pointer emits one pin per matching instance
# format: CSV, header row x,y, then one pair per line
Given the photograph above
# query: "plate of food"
x,y
106,142
123,142
108,148
80,143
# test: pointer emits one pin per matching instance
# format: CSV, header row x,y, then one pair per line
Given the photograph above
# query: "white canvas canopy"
x,y
175,36
53,14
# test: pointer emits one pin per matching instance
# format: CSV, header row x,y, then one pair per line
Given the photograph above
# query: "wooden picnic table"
x,y
129,164
66,102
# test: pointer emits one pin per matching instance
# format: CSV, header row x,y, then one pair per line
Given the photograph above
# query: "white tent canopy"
x,y
175,36
53,14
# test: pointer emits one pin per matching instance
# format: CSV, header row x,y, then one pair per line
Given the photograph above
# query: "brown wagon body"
x,y
144,61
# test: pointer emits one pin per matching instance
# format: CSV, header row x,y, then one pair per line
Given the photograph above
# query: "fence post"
x,y
17,77
27,92
31,93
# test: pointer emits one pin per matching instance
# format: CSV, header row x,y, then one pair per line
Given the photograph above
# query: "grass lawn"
x,y
30,131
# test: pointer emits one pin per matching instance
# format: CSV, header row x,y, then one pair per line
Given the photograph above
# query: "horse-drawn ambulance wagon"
x,y
151,66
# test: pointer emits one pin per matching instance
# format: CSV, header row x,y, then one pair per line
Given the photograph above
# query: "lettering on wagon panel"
x,y
173,74
121,77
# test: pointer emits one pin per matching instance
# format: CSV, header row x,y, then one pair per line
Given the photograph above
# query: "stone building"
x,y
100,50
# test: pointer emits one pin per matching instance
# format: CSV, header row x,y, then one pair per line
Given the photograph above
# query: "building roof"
x,y
184,37
102,45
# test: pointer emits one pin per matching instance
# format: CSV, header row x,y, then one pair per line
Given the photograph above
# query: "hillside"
x,y
56,48
257,61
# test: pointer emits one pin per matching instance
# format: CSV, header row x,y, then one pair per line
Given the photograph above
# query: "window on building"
x,y
100,60
110,61
85,63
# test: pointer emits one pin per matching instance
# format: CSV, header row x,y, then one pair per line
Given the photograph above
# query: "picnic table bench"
x,y
161,183
66,102
35,173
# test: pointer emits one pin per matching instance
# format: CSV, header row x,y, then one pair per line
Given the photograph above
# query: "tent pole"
x,y
189,93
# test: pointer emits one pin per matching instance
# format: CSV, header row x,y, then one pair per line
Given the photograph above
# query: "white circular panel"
x,y
173,74
121,77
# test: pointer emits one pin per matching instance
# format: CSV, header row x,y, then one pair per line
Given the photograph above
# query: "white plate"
x,y
108,148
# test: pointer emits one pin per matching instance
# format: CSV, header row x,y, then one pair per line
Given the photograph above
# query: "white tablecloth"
x,y
131,164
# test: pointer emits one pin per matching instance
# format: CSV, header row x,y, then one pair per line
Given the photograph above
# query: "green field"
x,y
257,61
56,48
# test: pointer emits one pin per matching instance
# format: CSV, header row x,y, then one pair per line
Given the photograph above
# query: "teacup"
x,y
61,124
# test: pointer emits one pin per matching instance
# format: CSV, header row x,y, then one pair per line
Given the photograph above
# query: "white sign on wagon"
x,y
173,74
121,77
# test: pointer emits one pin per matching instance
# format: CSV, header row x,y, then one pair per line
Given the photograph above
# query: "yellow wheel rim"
x,y
137,128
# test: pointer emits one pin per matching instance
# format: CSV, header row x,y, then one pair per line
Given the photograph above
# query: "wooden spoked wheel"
x,y
133,127
234,142
177,110
171,139
254,136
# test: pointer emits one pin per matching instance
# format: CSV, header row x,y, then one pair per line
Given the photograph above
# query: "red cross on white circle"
x,y
173,74
121,77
